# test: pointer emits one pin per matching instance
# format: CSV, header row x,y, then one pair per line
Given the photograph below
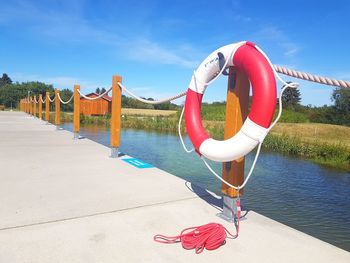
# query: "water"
x,y
298,193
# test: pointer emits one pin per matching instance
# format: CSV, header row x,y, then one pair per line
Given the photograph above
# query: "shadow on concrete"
x,y
209,197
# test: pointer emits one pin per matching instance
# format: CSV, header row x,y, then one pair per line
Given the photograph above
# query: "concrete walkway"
x,y
65,200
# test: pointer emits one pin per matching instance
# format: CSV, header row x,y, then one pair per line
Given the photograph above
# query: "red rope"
x,y
210,236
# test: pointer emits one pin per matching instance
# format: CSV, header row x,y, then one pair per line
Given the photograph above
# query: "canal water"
x,y
295,192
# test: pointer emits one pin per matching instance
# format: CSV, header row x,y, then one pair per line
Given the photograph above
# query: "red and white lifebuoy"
x,y
245,56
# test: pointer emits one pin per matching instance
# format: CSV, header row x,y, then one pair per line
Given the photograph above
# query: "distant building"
x,y
100,106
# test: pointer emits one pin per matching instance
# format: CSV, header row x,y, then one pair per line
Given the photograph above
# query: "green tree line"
x,y
11,93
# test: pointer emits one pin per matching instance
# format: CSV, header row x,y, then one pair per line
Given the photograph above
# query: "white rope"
x,y
256,154
311,77
51,100
95,98
179,130
246,179
152,101
41,99
65,102
35,100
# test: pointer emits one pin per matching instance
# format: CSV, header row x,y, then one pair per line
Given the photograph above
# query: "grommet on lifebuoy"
x,y
245,56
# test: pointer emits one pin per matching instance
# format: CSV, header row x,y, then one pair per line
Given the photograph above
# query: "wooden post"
x,y
57,109
31,105
47,106
236,113
116,114
34,107
76,116
40,107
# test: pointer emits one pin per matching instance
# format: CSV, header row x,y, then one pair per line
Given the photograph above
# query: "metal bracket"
x,y
76,136
114,152
229,211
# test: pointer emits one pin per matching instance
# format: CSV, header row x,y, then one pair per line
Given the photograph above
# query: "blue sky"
x,y
156,45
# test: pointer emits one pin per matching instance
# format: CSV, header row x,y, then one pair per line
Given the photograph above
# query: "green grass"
x,y
332,155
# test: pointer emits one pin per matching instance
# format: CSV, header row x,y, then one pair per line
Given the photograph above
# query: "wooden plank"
x,y
236,113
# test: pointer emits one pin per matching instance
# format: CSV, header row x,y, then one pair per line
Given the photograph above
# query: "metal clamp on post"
x,y
231,209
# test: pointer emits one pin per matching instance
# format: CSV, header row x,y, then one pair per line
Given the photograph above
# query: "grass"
x,y
322,143
315,132
332,155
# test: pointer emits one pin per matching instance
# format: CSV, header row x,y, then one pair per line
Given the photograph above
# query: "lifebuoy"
x,y
245,56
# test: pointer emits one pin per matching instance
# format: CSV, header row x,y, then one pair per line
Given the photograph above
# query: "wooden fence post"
x,y
40,107
57,110
116,116
47,107
34,107
76,116
236,113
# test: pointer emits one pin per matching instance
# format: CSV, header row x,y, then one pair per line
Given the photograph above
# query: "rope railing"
x,y
152,101
95,98
64,102
35,100
51,100
41,99
310,77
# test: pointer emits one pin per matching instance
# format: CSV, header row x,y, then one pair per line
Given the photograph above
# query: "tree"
x,y
10,94
291,97
65,95
98,91
5,79
341,99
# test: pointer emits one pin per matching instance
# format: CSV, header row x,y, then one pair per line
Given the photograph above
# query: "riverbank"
x,y
322,143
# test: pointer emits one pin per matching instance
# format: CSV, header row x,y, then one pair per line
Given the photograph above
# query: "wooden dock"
x,y
65,200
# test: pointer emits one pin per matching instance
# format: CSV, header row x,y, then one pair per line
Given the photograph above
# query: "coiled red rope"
x,y
210,236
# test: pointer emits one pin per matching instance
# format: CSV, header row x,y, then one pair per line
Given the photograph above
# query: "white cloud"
x,y
151,52
280,38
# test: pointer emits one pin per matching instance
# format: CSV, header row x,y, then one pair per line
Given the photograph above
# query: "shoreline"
x,y
335,154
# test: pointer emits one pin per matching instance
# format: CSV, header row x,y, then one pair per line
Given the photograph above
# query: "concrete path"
x,y
65,200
